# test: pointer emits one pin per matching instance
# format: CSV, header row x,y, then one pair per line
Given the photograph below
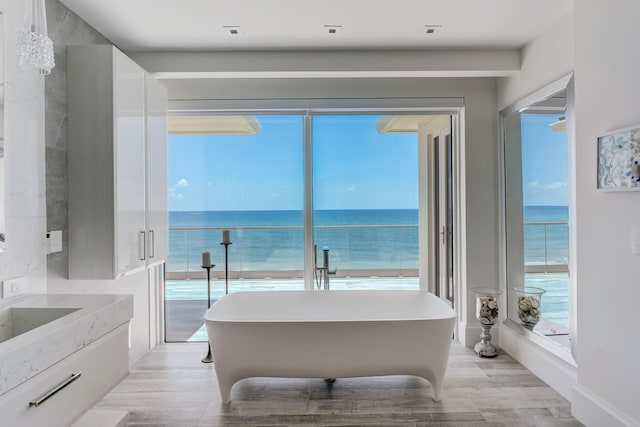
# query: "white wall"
x,y
607,85
545,59
24,172
606,275
480,151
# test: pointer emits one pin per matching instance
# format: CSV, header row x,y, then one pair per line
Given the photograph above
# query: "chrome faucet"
x,y
321,274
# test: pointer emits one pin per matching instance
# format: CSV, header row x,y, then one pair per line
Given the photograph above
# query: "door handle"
x,y
152,244
142,241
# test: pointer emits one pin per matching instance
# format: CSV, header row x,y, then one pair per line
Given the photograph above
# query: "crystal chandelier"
x,y
35,48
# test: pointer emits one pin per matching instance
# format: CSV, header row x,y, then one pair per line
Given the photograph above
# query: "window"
x,y
246,174
537,217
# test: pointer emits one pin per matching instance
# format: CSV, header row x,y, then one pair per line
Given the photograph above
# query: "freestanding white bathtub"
x,y
329,334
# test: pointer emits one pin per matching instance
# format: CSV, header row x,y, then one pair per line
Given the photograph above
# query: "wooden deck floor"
x,y
169,386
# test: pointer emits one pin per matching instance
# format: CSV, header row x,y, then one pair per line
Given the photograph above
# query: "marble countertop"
x,y
31,352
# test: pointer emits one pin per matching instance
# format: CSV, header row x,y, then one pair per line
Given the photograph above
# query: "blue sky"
x,y
355,167
238,172
544,164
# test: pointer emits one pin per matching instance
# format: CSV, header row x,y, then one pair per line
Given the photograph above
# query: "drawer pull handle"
x,y
39,401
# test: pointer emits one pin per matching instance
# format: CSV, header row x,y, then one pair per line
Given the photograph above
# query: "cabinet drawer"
x,y
102,364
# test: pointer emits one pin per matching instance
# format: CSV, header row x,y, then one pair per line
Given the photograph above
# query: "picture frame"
x,y
619,160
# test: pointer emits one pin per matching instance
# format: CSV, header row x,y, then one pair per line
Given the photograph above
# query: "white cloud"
x,y
556,185
175,195
182,183
537,185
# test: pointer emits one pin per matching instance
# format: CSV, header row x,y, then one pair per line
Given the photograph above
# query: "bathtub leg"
x,y
437,391
436,385
330,380
226,396
225,390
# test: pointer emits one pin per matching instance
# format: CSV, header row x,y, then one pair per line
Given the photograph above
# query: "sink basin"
x,y
15,321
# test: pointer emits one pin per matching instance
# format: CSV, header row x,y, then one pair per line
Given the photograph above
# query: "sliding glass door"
x,y
365,198
244,175
347,187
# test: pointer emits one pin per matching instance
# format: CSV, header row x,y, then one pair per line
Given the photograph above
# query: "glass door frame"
x,y
309,184
454,107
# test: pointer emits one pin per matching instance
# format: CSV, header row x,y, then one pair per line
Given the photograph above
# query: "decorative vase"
x,y
487,302
529,305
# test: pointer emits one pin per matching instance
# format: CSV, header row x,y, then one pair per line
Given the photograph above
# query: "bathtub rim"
x,y
450,312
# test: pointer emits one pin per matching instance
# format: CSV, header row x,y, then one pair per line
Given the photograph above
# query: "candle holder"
x,y
487,315
226,241
208,358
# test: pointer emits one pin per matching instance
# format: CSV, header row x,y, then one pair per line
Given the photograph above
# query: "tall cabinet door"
x,y
157,218
131,247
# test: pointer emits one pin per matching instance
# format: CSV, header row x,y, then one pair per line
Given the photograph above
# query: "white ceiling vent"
x,y
332,30
431,29
233,30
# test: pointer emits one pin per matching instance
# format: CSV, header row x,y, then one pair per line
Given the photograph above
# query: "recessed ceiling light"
x,y
332,29
233,30
431,29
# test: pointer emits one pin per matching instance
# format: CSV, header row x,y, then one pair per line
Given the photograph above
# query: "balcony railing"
x,y
357,250
546,247
278,251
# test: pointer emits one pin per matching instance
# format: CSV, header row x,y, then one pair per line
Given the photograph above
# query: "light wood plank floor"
x,y
169,386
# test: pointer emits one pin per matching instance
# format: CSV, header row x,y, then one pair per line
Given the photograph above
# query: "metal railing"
x,y
278,251
392,250
546,246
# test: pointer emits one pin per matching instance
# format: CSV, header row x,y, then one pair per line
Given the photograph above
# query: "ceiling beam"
x,y
328,64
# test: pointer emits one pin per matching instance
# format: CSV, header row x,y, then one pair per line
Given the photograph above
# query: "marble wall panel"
x,y
25,203
65,28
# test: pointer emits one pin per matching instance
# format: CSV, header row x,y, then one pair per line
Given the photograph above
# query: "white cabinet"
x,y
67,389
156,168
107,160
129,173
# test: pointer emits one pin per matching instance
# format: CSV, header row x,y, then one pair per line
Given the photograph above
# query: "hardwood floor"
x,y
169,386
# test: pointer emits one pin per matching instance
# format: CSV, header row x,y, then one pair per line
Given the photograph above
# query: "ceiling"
x,y
144,25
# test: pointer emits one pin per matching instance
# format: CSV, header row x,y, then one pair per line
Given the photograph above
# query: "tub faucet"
x,y
322,273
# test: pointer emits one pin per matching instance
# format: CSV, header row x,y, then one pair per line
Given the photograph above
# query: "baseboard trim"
x,y
554,370
471,335
590,410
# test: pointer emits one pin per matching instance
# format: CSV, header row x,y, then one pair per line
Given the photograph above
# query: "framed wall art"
x,y
619,160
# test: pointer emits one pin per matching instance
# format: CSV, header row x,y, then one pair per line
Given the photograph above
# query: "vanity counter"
x,y
25,355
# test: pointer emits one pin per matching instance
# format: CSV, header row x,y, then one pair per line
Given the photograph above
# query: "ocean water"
x,y
274,240
358,239
546,244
